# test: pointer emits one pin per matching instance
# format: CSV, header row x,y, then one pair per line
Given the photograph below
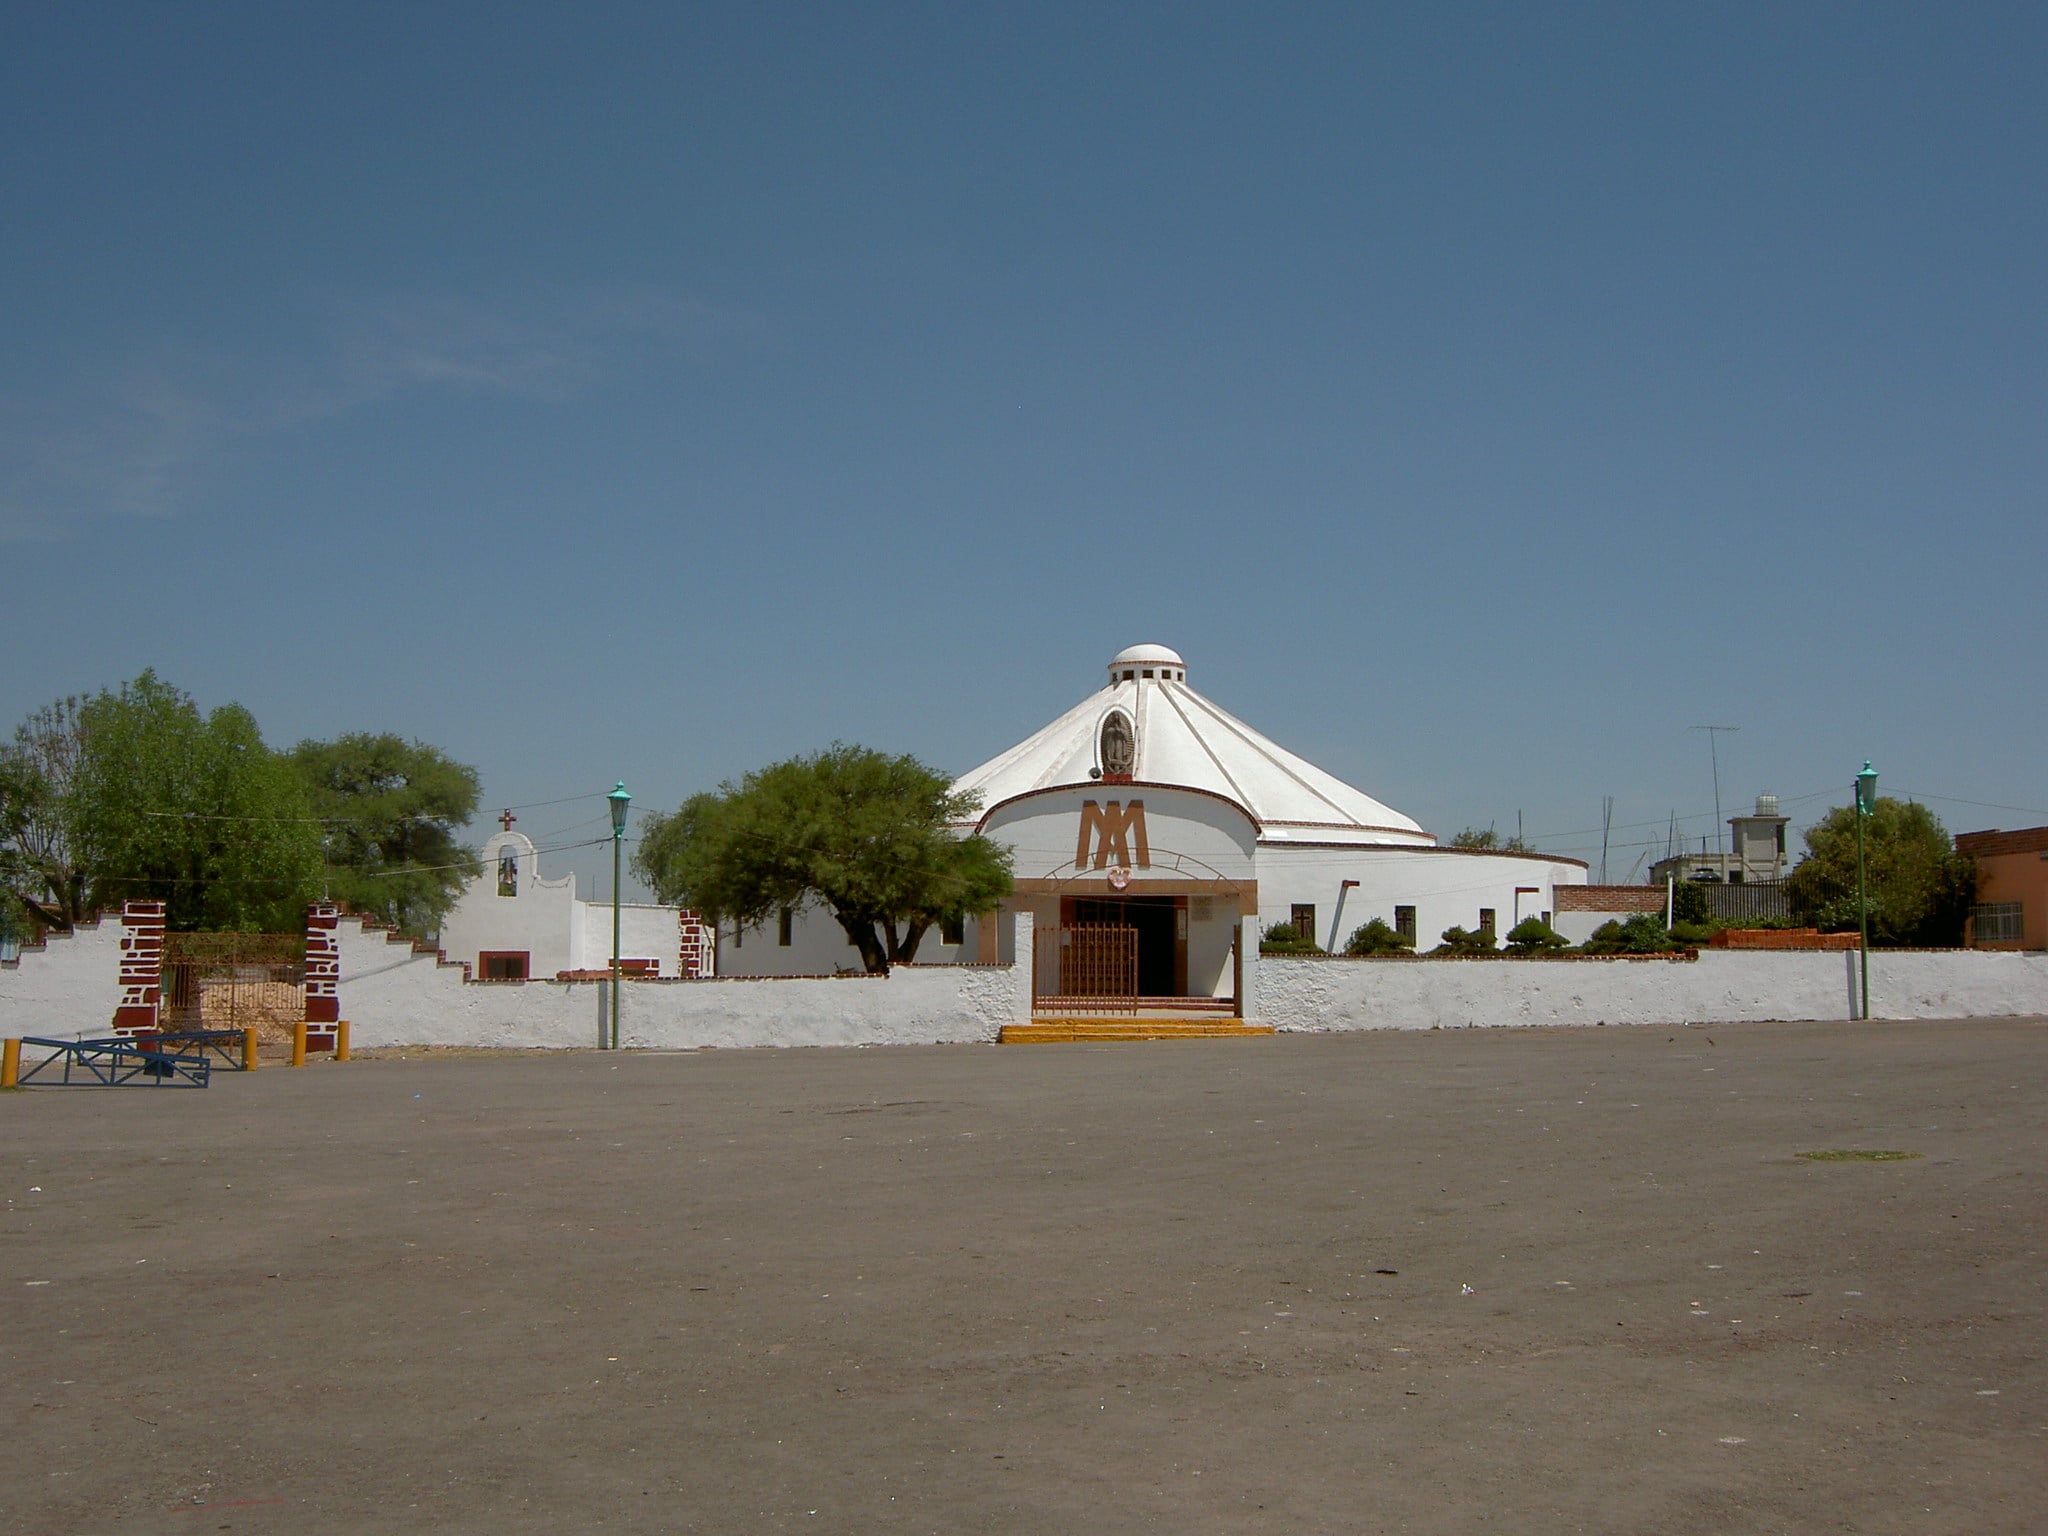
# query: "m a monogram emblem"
x,y
1114,831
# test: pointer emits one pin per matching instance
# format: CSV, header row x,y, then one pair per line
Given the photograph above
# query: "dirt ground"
x,y
1530,1281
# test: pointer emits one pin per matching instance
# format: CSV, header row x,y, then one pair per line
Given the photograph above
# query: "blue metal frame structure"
x,y
224,1043
114,1063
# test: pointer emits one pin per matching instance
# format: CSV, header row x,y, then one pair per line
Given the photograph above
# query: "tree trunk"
x,y
913,935
860,932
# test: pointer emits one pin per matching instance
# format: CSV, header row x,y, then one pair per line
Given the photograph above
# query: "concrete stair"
x,y
1047,1031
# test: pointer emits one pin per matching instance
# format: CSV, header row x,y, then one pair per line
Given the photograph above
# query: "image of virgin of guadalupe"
x,y
1119,745
508,871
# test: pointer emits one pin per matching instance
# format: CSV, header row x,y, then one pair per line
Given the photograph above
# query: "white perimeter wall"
x,y
392,995
68,988
1721,986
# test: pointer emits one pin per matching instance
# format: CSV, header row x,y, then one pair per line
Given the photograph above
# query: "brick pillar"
x,y
697,946
323,974
142,968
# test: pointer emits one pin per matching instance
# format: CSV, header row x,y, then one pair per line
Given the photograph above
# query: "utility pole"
x,y
1713,752
1606,825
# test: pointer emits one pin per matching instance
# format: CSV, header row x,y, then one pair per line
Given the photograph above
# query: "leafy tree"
x,y
1920,889
1533,936
1458,941
1641,933
1689,903
863,834
1486,839
42,876
192,810
390,811
1376,938
20,795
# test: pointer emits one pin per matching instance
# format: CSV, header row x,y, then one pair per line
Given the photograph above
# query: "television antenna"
x,y
1713,753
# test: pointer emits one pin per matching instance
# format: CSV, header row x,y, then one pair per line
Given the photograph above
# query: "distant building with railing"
x,y
1756,851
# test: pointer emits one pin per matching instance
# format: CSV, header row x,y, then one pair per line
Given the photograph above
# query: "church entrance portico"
x,y
1159,936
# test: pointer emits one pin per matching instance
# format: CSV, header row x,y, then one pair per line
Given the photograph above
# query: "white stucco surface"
x,y
1721,986
67,988
392,995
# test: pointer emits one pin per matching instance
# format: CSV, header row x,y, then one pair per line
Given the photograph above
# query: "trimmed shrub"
x,y
1457,941
1286,939
1376,938
1533,936
1641,934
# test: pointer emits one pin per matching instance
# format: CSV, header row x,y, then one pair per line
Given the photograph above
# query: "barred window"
x,y
1999,922
1404,923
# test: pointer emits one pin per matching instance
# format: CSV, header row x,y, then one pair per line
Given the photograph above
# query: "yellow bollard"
x,y
341,1041
248,1050
10,1064
299,1043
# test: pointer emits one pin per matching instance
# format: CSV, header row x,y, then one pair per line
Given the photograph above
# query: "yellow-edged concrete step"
x,y
1047,1031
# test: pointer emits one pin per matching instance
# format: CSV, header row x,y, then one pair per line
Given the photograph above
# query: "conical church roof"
x,y
1173,736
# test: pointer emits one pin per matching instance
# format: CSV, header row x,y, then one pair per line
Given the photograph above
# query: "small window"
x,y
952,930
782,925
1404,923
1305,922
738,933
1148,671
503,964
1999,922
1486,921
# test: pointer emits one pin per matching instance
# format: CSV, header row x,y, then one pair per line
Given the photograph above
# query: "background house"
x,y
2011,911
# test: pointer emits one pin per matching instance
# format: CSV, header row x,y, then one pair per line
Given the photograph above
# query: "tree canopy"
x,y
42,877
192,810
1920,888
1486,839
390,810
861,833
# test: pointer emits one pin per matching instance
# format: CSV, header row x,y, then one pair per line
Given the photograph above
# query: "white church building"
x,y
511,924
1156,836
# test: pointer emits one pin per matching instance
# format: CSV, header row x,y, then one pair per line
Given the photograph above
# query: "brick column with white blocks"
x,y
697,945
323,974
142,968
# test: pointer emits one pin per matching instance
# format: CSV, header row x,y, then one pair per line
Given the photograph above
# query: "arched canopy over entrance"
x,y
1139,891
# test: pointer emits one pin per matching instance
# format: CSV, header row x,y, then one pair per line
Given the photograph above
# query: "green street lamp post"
x,y
619,800
1866,805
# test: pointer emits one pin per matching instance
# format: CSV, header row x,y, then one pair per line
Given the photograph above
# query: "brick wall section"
x,y
697,943
1782,938
1991,844
1609,898
142,967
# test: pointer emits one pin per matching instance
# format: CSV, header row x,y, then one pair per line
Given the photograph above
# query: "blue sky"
x,y
1477,396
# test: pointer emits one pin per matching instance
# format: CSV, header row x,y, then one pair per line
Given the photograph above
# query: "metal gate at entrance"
x,y
1098,969
234,981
